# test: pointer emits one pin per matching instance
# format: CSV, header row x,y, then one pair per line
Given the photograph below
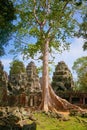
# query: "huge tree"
x,y
7,15
50,23
80,66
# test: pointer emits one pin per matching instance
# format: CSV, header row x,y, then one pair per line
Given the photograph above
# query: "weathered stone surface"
x,y
21,85
3,76
16,119
62,78
25,127
15,89
3,85
33,79
17,83
25,82
10,128
30,127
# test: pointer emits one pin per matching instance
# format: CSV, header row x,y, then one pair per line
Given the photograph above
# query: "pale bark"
x,y
50,101
45,80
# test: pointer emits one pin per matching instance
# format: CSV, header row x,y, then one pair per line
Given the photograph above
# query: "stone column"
x,y
83,100
70,99
31,101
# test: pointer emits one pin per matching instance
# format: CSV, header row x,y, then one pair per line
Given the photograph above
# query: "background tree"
x,y
85,46
83,28
50,23
17,67
80,66
83,31
7,15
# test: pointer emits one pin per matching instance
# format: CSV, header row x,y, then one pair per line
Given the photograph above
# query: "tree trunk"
x,y
50,101
45,79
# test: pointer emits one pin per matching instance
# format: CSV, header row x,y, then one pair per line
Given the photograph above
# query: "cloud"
x,y
76,51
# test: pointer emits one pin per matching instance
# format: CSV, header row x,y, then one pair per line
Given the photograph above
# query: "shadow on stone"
x,y
25,127
29,127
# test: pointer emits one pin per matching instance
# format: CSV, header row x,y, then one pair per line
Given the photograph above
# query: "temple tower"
x,y
33,79
62,78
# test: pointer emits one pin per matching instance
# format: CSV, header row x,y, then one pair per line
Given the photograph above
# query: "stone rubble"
x,y
14,116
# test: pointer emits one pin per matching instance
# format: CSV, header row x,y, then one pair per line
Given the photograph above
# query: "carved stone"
x,y
18,83
3,85
14,118
33,79
62,78
3,76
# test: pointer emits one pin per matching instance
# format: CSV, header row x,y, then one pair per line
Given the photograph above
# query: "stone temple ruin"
x,y
27,82
16,88
3,84
24,89
62,78
3,76
63,85
33,79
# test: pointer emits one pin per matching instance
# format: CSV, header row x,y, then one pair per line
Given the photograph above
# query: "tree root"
x,y
55,103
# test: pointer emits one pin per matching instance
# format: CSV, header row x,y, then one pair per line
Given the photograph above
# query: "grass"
x,y
45,122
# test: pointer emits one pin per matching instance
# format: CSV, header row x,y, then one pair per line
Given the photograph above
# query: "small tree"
x,y
17,67
50,23
80,66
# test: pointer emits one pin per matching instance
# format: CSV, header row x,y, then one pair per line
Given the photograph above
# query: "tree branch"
x,y
60,16
48,30
48,10
35,13
65,5
19,39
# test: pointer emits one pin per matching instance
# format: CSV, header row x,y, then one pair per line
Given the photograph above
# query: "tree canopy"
x,y
83,28
85,46
7,15
17,67
83,31
80,66
45,19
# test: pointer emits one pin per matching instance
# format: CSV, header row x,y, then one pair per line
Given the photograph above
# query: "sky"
x,y
76,51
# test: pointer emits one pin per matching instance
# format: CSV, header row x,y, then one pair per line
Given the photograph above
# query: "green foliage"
x,y
17,67
83,28
80,66
85,46
32,49
7,15
53,20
